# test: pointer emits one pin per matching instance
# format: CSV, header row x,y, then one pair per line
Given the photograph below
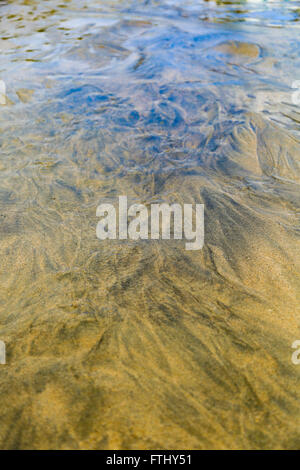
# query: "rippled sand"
x,y
144,345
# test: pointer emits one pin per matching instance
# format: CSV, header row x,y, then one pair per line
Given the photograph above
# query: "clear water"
x,y
143,345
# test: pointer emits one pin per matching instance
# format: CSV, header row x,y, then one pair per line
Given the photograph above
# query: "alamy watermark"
x,y
2,92
296,94
2,353
161,221
296,354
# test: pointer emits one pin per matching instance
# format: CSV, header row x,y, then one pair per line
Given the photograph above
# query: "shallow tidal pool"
x,y
123,344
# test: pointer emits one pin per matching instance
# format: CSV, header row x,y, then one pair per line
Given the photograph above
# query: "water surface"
x,y
144,345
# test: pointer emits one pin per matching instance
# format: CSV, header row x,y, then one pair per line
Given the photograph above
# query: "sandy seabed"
x,y
144,345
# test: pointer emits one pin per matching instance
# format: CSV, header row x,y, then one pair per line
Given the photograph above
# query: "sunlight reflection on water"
x,y
143,345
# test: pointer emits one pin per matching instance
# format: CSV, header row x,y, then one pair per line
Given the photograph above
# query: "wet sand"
x,y
144,345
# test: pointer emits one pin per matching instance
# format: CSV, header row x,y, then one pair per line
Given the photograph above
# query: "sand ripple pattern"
x,y
143,345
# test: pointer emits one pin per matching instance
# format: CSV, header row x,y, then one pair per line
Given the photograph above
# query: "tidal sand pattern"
x,y
144,345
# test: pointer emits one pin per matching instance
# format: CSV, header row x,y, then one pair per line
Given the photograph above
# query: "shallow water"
x,y
144,345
